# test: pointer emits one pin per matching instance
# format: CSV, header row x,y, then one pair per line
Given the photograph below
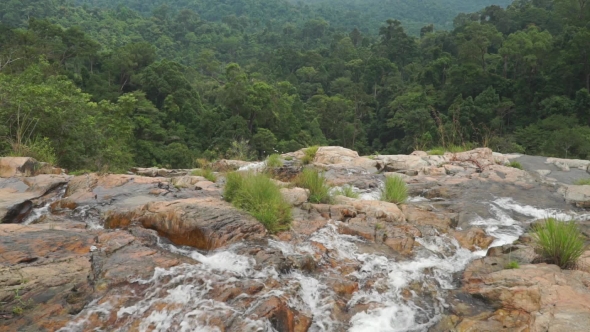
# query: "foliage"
x,y
319,191
274,160
347,191
394,190
515,164
560,242
512,265
205,172
309,154
437,151
583,182
115,83
261,197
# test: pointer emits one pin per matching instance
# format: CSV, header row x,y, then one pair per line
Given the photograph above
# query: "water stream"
x,y
393,294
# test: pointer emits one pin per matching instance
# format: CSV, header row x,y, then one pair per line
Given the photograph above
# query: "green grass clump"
x,y
274,160
261,197
207,173
515,164
560,242
458,148
395,190
347,191
583,182
309,154
512,265
438,151
319,191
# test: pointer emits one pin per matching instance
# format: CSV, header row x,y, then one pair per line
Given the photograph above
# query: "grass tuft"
x,y
582,182
207,173
274,160
515,164
309,154
560,242
261,197
438,151
347,191
395,190
319,191
512,265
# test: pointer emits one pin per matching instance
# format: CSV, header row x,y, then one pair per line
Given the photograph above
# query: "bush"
x,y
274,160
40,149
560,242
438,151
582,182
309,154
394,190
262,198
347,191
512,265
202,163
207,173
319,191
515,164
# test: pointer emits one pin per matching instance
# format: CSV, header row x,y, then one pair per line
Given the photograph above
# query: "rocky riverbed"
x,y
160,250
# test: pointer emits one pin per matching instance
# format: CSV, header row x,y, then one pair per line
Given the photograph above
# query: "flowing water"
x,y
393,294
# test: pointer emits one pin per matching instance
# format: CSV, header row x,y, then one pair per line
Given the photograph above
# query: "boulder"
x,y
160,172
394,163
295,196
375,209
473,239
569,163
330,155
203,223
25,166
557,300
423,216
577,195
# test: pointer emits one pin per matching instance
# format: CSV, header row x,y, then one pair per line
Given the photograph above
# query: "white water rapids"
x,y
396,295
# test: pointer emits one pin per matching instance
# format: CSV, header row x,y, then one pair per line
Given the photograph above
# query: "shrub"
x,y
515,164
438,151
347,191
394,190
319,191
512,265
261,197
40,149
583,182
309,154
560,242
202,163
274,160
207,173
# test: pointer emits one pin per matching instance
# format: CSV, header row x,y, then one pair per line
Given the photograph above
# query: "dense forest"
x,y
96,85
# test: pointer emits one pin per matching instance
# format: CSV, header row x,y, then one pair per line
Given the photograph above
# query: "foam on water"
x,y
256,167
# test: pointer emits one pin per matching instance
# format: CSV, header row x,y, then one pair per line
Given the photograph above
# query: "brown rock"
x,y
376,209
295,196
473,239
422,216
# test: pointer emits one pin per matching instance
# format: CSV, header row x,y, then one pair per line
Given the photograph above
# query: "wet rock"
x,y
394,163
281,316
423,216
295,196
473,239
203,223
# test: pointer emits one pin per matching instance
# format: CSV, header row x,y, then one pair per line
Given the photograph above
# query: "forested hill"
x,y
91,87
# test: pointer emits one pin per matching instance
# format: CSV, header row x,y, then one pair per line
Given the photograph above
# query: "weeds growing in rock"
x,y
515,164
559,242
274,160
347,191
309,154
207,173
319,191
438,151
394,190
202,163
261,197
512,265
583,182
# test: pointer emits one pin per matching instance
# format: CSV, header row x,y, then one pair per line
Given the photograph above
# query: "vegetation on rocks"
x,y
274,160
261,197
315,182
560,242
583,182
394,190
205,172
309,154
515,164
348,191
